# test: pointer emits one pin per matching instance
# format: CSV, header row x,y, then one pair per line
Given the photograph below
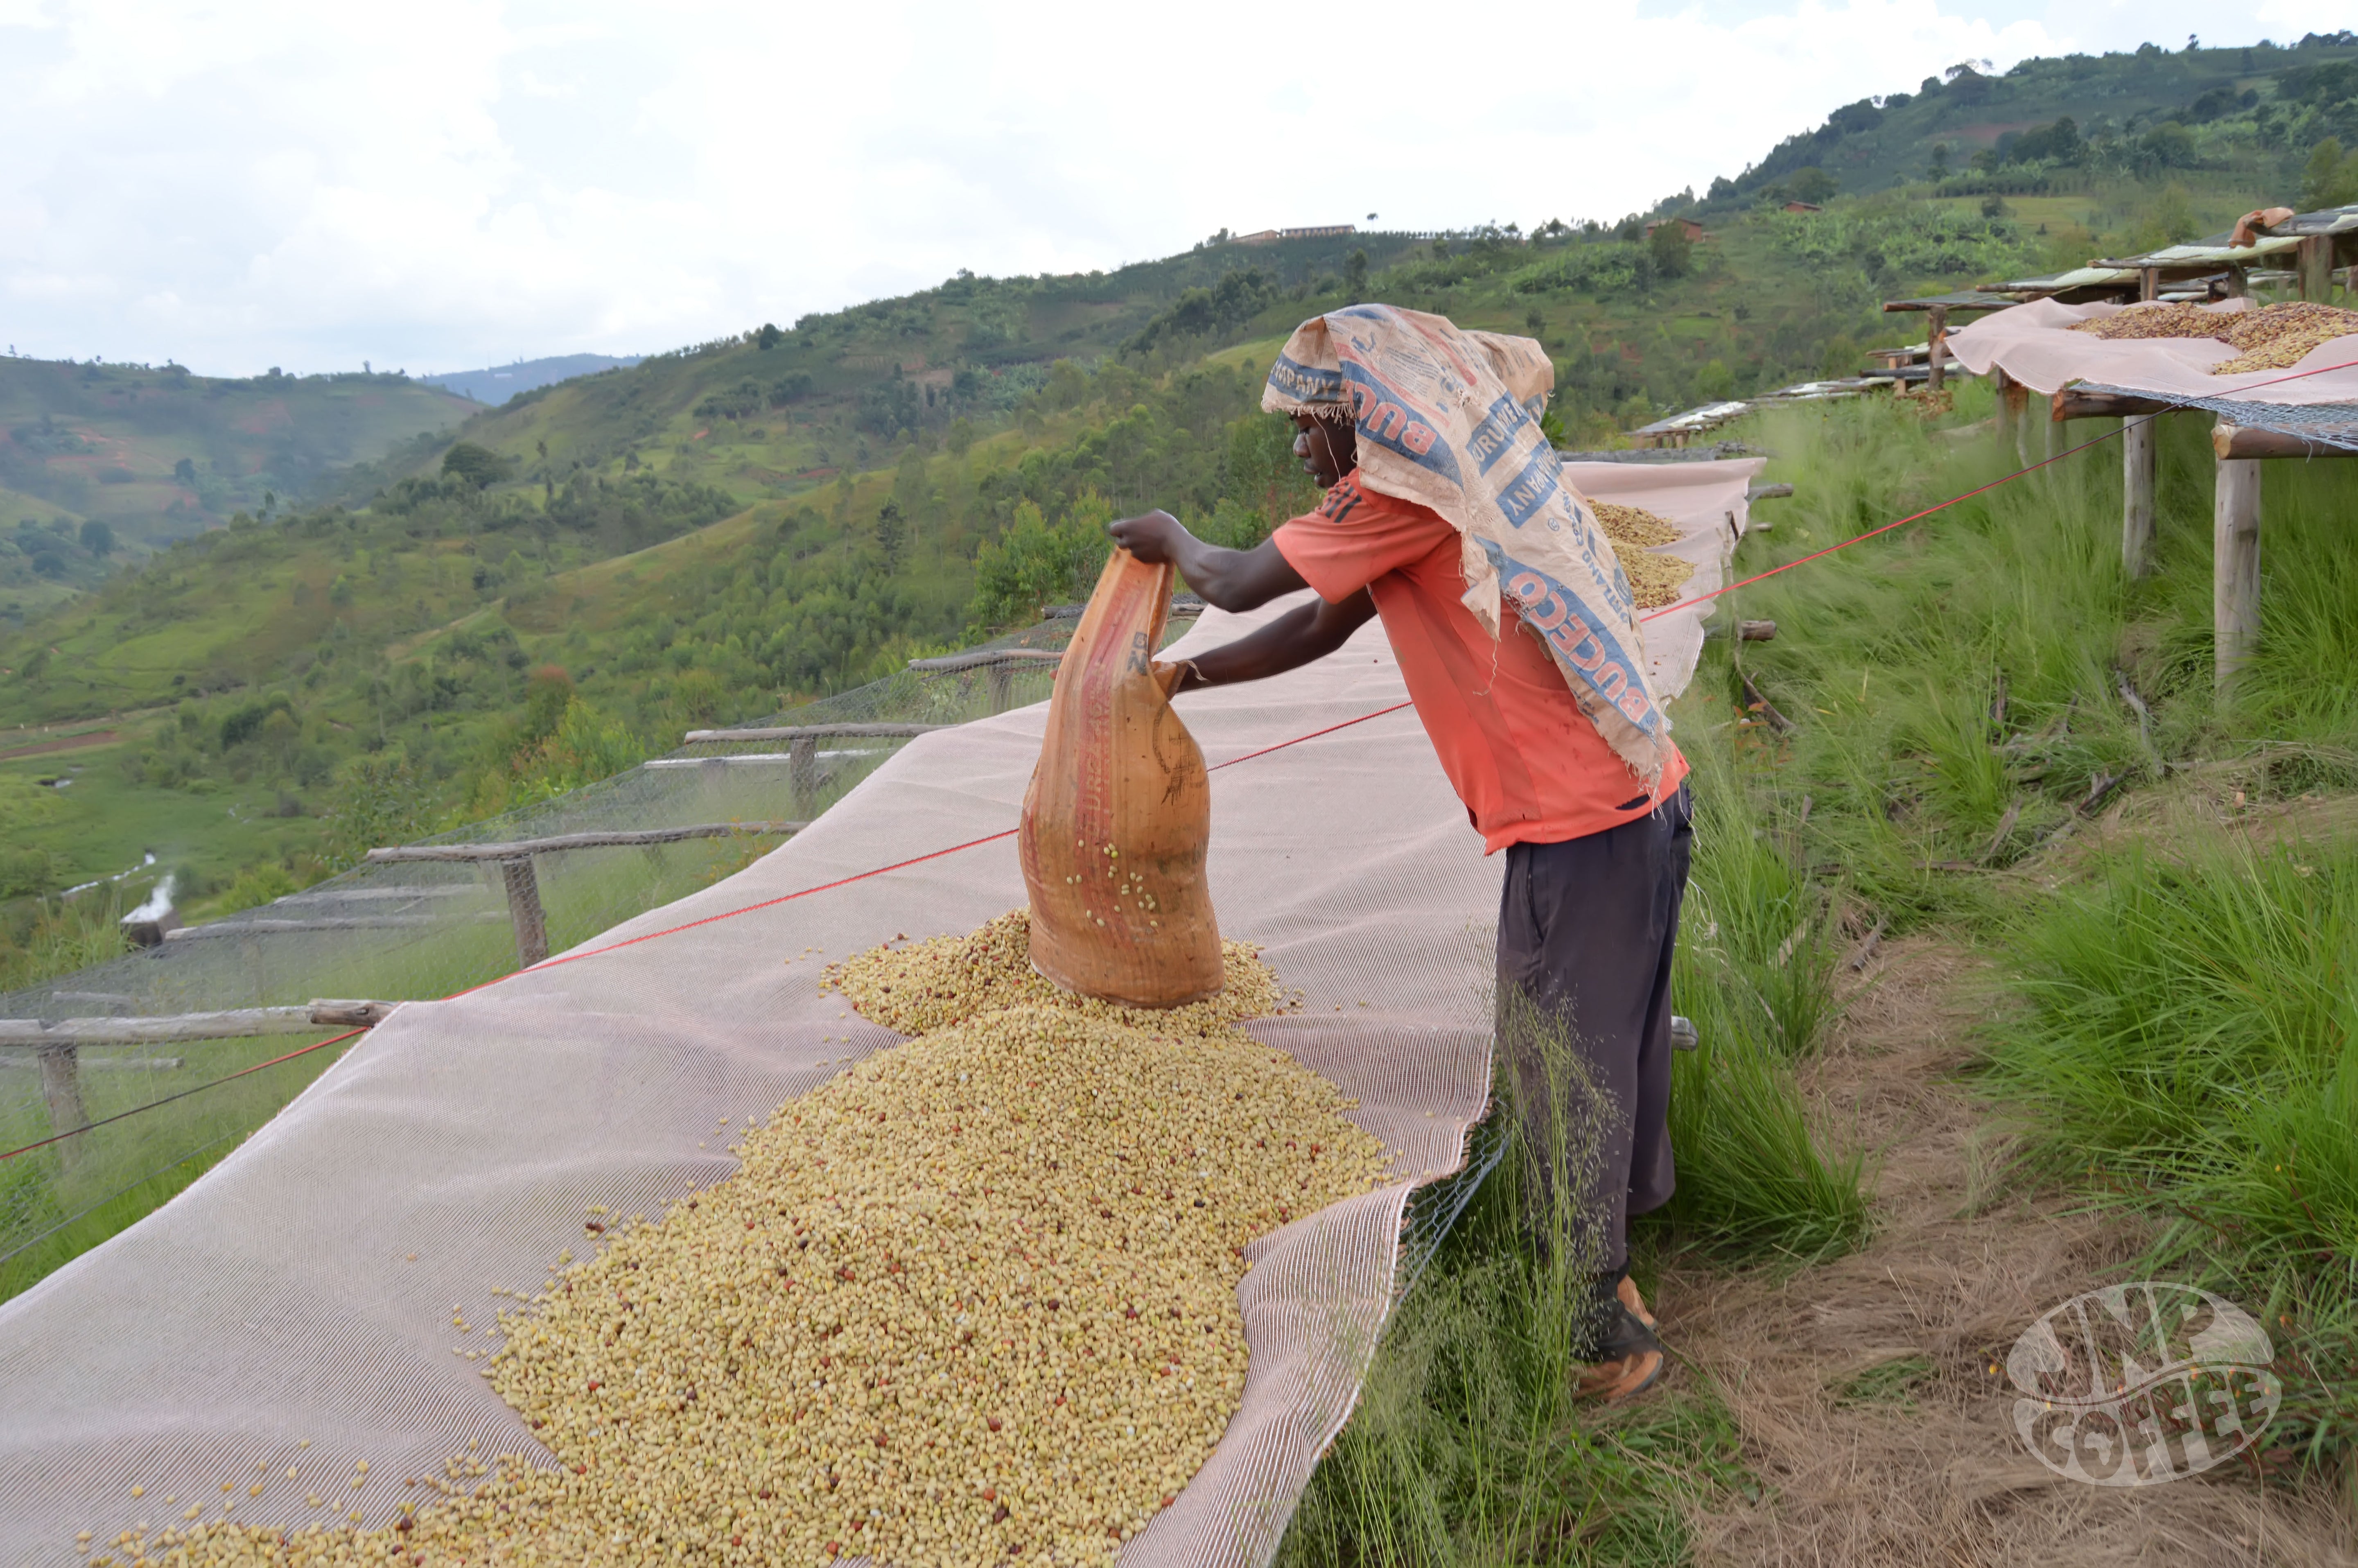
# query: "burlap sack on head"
x,y
1119,815
1450,418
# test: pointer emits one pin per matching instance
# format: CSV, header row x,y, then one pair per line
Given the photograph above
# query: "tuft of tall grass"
x,y
1467,1445
2187,1044
1754,973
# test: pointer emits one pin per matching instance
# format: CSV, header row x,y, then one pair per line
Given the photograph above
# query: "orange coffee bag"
x,y
1119,815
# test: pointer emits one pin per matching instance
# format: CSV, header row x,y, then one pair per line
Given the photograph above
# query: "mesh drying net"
x,y
292,1307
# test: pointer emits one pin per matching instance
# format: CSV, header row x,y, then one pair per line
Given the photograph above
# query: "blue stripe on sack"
x,y
1306,383
1391,422
1495,436
1540,482
1581,643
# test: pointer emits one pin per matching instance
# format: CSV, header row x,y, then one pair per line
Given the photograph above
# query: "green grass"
x,y
1755,1176
2179,1042
2186,1046
58,1202
103,823
1468,1445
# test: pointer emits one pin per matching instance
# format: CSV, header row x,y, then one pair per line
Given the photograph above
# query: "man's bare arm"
x,y
1299,636
1231,579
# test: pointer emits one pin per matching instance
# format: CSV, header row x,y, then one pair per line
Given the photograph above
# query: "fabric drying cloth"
x,y
302,1288
1707,503
1450,418
2034,345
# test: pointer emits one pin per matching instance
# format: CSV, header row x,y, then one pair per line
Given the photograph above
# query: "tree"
x,y
1669,246
2060,141
2168,221
1939,166
1355,277
891,535
185,471
478,466
1812,184
98,538
2330,178
769,337
2170,145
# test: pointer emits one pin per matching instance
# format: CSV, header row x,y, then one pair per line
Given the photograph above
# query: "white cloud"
x,y
443,183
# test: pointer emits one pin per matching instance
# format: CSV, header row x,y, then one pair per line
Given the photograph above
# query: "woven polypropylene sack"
x,y
1118,817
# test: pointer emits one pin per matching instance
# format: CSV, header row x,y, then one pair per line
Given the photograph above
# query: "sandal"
x,y
1627,1359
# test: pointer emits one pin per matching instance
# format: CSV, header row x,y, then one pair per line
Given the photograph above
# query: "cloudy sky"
x,y
440,184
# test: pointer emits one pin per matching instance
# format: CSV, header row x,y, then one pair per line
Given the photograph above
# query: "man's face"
x,y
1327,450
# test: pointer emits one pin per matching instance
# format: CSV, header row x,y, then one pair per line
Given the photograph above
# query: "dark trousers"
x,y
1585,933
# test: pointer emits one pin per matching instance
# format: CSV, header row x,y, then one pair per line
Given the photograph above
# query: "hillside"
x,y
161,454
2155,111
497,383
719,532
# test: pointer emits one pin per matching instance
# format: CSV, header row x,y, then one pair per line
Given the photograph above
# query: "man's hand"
x,y
1155,538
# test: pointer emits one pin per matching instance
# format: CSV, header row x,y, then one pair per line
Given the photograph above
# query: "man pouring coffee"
x,y
1447,515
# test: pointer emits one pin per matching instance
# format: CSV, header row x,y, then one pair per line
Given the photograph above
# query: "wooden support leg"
x,y
2137,496
524,910
61,1092
2018,404
2313,262
803,768
1002,684
2235,566
1937,349
2002,385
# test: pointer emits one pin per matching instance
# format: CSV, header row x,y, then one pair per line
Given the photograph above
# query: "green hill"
x,y
158,455
565,582
2153,113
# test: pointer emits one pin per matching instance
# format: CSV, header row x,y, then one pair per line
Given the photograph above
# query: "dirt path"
x,y
1927,1469
63,744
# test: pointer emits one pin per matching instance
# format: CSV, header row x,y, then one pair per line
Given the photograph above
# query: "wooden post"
x,y
2314,261
804,769
2235,566
2138,445
1002,677
2017,413
2247,441
524,910
2003,385
1936,336
61,1091
2239,284
2149,283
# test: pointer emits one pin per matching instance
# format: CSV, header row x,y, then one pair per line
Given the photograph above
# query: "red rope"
x,y
895,865
1232,762
1943,506
198,1088
667,930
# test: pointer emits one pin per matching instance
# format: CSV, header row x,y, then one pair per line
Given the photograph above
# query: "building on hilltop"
x,y
1319,232
1803,207
1694,231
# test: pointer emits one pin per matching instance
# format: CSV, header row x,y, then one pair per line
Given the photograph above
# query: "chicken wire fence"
x,y
121,1121
2331,423
132,1089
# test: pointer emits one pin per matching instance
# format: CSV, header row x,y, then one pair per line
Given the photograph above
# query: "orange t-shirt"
x,y
1528,763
